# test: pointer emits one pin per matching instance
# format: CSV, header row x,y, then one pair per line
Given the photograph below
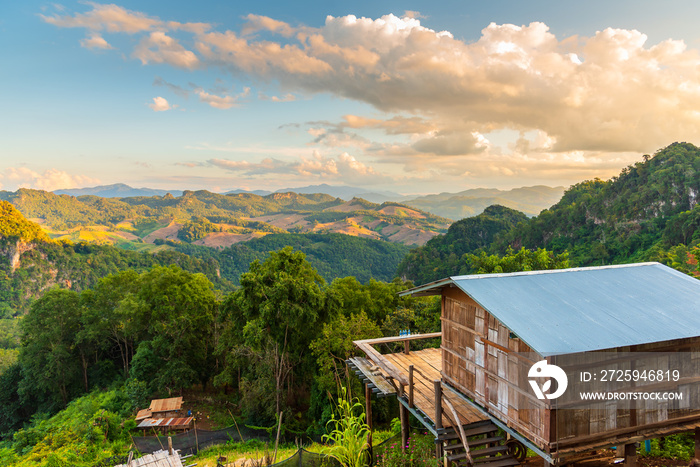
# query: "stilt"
x,y
403,414
697,443
631,455
438,417
368,411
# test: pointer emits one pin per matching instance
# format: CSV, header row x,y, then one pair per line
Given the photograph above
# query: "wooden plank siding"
x,y
477,359
486,362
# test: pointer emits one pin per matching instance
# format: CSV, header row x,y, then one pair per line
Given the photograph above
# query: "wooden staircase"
x,y
485,447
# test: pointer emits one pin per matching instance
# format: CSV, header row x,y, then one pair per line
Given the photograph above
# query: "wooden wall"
x,y
478,358
481,358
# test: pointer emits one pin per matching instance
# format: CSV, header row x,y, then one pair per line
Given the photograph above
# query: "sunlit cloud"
x,y
579,103
13,178
160,104
95,41
158,47
221,102
343,167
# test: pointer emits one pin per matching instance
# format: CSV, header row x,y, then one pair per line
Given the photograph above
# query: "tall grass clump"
x,y
347,433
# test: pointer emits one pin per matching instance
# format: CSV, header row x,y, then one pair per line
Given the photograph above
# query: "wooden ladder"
x,y
485,447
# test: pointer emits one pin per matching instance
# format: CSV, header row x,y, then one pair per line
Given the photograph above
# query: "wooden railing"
x,y
373,354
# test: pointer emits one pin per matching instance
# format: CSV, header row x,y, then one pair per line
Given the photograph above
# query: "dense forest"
x,y
268,323
277,343
648,212
444,256
40,263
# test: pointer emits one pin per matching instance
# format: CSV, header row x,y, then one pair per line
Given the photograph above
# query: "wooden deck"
x,y
427,365
394,368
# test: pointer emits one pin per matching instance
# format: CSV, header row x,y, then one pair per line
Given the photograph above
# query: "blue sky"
x,y
413,97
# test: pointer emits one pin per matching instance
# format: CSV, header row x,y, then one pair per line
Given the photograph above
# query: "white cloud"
x,y
158,47
160,104
263,23
221,102
611,91
49,180
95,41
111,18
344,167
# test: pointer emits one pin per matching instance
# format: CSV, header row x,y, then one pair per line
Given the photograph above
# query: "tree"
x,y
270,322
334,346
523,260
48,354
178,310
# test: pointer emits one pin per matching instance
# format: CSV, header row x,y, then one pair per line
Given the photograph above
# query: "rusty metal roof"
x,y
145,413
574,310
166,405
166,422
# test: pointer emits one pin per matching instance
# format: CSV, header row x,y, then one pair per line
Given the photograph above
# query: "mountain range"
x,y
455,206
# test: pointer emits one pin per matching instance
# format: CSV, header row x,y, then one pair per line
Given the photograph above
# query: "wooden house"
x,y
630,320
165,408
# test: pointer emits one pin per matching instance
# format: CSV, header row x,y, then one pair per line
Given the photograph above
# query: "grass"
x,y
251,450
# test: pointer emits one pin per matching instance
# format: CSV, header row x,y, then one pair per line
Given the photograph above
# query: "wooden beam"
x,y
368,412
631,455
629,431
386,340
697,443
437,386
405,427
410,386
381,362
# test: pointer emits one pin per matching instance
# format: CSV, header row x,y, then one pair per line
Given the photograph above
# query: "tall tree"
x,y
48,354
271,320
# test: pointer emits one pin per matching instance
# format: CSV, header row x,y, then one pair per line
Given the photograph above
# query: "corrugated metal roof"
x,y
583,309
145,413
166,405
166,422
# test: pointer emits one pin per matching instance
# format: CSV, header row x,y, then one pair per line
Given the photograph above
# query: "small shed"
x,y
628,319
143,414
166,424
165,408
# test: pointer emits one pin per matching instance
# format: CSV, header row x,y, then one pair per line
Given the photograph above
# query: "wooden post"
x,y
406,347
697,443
196,439
403,415
437,387
631,455
368,411
170,446
410,386
277,440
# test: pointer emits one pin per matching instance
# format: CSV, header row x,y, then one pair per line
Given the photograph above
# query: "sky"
x,y
413,97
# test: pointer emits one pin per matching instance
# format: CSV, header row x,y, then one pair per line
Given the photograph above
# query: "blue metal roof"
x,y
583,309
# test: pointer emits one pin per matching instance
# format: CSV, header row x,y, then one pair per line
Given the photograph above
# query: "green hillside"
x,y
649,208
219,221
529,200
332,255
443,256
42,263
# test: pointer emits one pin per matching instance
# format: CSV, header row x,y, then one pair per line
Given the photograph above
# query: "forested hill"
x,y
443,256
30,262
217,220
648,212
